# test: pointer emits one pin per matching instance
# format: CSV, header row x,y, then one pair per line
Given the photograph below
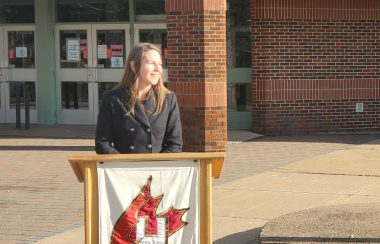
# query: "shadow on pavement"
x,y
346,138
249,236
47,148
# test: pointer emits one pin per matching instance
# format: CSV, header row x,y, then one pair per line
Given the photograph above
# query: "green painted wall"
x,y
239,119
45,61
239,75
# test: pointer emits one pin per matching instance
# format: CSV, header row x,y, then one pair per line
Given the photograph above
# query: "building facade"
x,y
271,66
59,57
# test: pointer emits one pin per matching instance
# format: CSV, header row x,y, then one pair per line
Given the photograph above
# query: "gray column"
x,y
45,61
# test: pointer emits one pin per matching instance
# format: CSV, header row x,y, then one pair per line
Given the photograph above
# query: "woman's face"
x,y
150,69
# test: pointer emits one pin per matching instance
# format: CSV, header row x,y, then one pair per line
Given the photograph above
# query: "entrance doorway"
x,y
17,72
90,60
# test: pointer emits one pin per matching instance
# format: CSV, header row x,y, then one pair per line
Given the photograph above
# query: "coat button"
x,y
132,129
131,148
147,130
149,146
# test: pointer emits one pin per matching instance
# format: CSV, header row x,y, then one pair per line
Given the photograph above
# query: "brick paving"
x,y
40,196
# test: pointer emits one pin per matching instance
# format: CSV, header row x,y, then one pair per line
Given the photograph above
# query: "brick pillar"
x,y
197,70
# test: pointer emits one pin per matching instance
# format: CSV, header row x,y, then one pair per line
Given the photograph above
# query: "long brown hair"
x,y
130,80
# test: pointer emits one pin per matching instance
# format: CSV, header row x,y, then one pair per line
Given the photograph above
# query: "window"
x,y
239,34
17,11
73,48
92,10
157,37
22,88
21,49
113,41
74,95
239,13
239,97
242,49
150,7
103,87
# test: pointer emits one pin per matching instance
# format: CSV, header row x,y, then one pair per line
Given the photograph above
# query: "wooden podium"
x,y
85,169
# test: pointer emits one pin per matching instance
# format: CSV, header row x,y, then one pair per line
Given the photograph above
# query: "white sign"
x,y
102,51
21,52
72,49
117,62
148,202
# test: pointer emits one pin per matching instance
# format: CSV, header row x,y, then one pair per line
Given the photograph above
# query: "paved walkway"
x,y
344,223
262,178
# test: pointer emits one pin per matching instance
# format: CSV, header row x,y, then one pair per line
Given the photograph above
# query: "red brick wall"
x,y
197,71
314,116
312,62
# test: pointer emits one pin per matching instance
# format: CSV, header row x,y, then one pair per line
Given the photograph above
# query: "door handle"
x,y
6,73
96,74
88,71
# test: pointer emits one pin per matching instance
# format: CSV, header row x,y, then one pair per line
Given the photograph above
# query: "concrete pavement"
x,y
344,223
263,178
350,175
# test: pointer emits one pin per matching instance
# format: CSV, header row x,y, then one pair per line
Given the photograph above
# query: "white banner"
x,y
148,202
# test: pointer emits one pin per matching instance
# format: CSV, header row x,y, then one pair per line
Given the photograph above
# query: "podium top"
x,y
78,162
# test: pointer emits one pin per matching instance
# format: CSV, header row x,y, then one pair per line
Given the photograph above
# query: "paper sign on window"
x,y
83,43
117,62
21,52
117,50
11,53
84,53
102,51
72,49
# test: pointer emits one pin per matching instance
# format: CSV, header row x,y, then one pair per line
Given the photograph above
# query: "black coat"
x,y
143,132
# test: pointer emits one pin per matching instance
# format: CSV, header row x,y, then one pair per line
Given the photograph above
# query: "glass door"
x,y
74,74
156,34
18,73
112,46
2,78
91,61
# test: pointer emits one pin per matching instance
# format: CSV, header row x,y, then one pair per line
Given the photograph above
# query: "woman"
x,y
140,115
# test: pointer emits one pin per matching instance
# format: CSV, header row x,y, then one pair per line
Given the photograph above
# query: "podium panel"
x,y
148,198
148,202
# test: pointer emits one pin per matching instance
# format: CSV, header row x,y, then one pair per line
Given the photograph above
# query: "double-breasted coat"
x,y
120,132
